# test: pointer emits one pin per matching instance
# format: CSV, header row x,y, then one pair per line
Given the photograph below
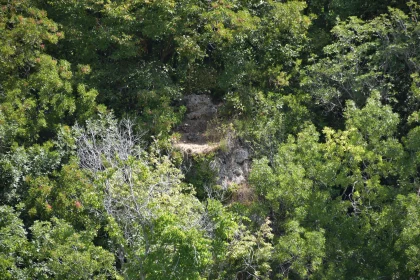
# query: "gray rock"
x,y
195,126
239,180
238,172
232,165
192,136
205,112
195,102
241,155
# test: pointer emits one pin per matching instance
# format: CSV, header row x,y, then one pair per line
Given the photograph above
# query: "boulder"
x,y
240,155
204,113
195,102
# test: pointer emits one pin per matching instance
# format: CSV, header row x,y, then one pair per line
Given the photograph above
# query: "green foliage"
x,y
200,173
378,55
342,188
408,241
13,245
333,135
16,165
131,46
237,251
301,252
61,252
175,251
68,195
157,216
251,253
24,31
38,91
55,251
265,57
147,53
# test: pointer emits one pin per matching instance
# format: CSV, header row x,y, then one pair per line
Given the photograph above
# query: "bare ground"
x,y
194,148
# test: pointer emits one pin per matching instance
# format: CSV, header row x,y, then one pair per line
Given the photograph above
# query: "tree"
x,y
58,251
340,192
66,194
55,250
18,164
39,91
367,56
159,223
13,245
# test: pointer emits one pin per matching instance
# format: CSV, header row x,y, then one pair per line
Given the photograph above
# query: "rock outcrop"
x,y
232,163
200,110
233,166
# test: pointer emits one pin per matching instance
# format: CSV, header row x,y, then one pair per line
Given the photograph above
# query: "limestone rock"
x,y
232,165
200,110
240,155
195,102
206,112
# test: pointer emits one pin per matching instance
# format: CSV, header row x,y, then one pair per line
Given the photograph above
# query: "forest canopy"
x,y
316,101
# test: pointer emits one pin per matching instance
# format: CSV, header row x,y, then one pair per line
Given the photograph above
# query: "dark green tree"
x,y
368,56
344,189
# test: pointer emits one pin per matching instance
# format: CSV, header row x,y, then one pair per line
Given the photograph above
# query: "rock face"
x,y
240,155
200,110
195,102
232,164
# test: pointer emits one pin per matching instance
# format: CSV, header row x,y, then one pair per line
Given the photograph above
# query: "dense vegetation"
x,y
325,93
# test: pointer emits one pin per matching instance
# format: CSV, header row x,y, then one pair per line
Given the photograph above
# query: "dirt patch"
x,y
192,148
